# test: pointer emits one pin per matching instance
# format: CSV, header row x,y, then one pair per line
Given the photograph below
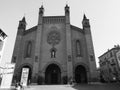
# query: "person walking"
x,y
19,86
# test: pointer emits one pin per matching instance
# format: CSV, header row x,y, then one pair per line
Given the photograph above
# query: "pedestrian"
x,y
28,82
17,86
21,86
71,81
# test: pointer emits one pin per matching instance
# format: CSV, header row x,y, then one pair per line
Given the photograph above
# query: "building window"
x,y
78,48
53,53
28,49
91,57
112,62
115,70
110,70
111,54
14,59
119,57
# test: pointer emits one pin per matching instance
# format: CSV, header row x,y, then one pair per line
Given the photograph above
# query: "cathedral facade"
x,y
54,51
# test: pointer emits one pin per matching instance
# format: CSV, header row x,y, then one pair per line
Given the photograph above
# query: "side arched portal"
x,y
29,73
80,74
53,74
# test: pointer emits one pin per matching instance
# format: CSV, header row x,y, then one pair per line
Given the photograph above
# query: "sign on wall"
x,y
24,76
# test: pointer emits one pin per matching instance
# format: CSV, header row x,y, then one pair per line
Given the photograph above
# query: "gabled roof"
x,y
77,28
35,28
30,30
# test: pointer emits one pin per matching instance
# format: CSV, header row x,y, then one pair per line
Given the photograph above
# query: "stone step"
x,y
49,87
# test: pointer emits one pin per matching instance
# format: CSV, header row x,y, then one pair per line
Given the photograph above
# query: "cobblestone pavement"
x,y
98,86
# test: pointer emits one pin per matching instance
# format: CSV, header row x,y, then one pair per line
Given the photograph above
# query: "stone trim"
x,y
50,19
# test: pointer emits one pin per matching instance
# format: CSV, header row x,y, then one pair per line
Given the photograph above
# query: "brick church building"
x,y
54,51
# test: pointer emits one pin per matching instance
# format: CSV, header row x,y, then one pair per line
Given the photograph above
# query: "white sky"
x,y
104,18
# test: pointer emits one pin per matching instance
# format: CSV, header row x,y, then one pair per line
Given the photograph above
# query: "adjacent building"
x,y
109,65
7,75
54,51
3,38
118,58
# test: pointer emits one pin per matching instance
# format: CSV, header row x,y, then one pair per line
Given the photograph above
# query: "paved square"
x,y
111,86
76,87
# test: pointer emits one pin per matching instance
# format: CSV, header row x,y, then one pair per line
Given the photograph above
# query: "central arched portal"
x,y
53,74
80,74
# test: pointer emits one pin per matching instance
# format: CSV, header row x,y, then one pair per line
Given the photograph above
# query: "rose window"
x,y
53,38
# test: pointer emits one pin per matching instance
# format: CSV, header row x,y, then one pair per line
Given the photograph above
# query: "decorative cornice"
x,y
54,19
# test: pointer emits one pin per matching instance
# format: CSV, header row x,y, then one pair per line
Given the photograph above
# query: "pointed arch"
x,y
52,62
53,74
28,49
19,71
78,48
80,74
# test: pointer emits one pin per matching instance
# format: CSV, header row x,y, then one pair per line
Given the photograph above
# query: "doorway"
x,y
26,74
53,74
80,74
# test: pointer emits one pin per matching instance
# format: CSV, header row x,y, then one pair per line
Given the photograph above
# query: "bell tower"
x,y
38,44
68,43
85,22
22,26
20,32
90,48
